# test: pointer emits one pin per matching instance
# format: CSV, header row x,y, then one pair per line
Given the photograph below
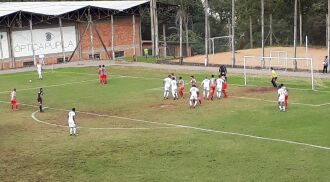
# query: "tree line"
x,y
313,15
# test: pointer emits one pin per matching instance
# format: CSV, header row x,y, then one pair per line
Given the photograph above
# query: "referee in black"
x,y
223,71
39,98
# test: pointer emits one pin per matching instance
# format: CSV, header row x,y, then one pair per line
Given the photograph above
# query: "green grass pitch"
x,y
129,133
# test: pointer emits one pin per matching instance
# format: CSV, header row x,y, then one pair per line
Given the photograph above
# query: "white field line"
x,y
273,101
202,129
49,86
159,88
291,88
32,72
91,128
151,78
121,76
55,85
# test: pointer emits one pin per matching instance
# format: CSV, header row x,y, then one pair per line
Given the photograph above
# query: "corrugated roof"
x,y
62,7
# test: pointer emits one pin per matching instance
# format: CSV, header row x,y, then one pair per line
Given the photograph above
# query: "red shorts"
x,y
13,102
100,77
105,76
224,86
212,87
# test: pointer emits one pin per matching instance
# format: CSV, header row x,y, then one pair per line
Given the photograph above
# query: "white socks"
x,y
166,93
218,94
192,103
73,131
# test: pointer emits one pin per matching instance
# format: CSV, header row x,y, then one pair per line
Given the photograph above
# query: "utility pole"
x,y
180,14
295,34
206,9
328,28
300,25
251,33
165,43
270,30
152,28
263,31
156,30
233,32
187,35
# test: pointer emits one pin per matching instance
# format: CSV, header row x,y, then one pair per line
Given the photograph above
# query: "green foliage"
x,y
313,16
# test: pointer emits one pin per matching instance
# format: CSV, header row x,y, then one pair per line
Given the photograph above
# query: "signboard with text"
x,y
4,51
45,41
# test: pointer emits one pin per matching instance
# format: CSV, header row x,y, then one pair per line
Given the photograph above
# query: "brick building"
x,y
70,31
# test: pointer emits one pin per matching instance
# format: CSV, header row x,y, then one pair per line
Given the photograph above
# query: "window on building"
x,y
119,54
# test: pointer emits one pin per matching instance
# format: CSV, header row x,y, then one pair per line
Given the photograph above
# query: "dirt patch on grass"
x,y
162,106
253,91
259,90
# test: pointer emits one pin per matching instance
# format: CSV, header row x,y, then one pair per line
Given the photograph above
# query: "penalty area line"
x,y
197,128
33,116
189,127
272,101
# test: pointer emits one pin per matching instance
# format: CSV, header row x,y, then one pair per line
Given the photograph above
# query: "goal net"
x,y
278,59
257,71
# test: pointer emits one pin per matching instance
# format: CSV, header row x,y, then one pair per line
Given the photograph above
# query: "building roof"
x,y
63,7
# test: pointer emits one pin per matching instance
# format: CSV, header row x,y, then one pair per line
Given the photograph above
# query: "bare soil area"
x,y
317,54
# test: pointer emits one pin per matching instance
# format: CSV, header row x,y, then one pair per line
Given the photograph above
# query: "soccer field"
x,y
129,133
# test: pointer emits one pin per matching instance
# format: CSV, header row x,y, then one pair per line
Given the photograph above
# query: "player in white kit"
x,y
39,69
194,93
219,82
167,85
193,81
72,122
174,88
281,92
206,88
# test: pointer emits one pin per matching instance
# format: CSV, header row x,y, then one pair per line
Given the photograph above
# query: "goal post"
x,y
256,66
227,40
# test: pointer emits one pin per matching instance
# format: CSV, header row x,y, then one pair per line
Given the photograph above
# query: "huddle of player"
x,y
102,74
209,86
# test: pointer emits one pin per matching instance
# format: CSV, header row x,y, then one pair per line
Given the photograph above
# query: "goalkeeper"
x,y
274,77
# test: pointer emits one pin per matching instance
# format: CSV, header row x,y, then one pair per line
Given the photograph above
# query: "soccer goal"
x,y
220,44
278,59
256,68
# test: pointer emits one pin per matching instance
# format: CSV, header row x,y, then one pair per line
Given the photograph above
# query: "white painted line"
x,y
210,130
201,129
49,86
56,85
257,137
33,115
111,75
274,101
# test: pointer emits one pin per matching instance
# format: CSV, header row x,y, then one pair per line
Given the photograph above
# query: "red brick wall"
x,y
123,41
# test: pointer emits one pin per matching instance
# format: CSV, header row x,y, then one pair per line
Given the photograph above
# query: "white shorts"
x,y
219,89
193,97
281,99
39,72
174,89
72,124
167,88
207,88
